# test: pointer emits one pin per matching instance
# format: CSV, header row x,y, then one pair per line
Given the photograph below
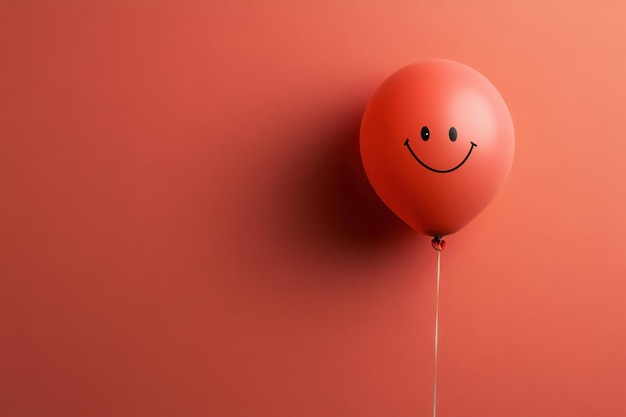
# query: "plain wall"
x,y
186,229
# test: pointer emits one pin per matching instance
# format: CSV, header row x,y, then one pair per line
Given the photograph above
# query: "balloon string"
x,y
436,335
439,244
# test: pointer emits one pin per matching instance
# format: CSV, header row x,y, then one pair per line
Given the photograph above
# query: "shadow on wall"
x,y
336,202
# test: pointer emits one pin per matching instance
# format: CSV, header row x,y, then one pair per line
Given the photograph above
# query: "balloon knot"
x,y
438,243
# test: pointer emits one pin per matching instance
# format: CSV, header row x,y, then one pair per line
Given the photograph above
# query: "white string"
x,y
436,334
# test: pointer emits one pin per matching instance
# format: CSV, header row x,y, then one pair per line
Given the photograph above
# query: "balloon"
x,y
437,144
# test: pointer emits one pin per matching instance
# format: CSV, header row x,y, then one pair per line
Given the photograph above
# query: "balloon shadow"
x,y
339,203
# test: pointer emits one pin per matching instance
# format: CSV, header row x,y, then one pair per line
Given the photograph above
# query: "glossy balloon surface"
x,y
437,144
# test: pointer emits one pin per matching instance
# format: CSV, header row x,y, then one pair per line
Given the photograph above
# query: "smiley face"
x,y
453,135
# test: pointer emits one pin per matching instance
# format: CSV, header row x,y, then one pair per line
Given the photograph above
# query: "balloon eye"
x,y
452,134
425,134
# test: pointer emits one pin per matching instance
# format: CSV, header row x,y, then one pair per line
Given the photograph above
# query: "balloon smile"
x,y
440,171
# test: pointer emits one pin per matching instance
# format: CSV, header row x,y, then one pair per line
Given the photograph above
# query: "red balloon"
x,y
437,144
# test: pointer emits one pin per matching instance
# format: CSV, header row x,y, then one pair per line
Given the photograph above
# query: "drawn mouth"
x,y
440,171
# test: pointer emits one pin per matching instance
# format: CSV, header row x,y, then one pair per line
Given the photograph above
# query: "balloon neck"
x,y
438,243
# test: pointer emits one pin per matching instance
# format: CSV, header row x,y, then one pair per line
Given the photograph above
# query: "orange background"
x,y
186,229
